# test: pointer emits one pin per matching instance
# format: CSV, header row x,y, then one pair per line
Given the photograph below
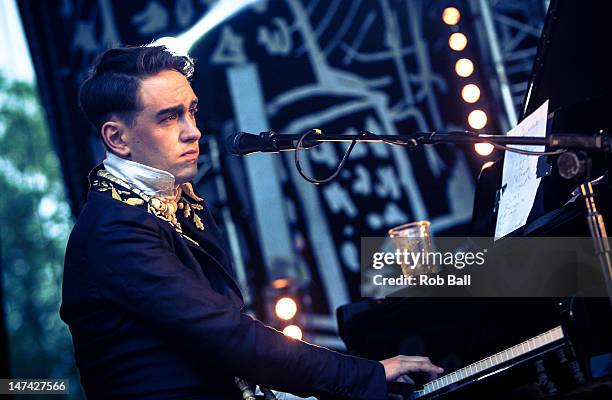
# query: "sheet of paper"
x,y
519,179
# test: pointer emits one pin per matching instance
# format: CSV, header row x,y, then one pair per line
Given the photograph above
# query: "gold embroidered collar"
x,y
164,208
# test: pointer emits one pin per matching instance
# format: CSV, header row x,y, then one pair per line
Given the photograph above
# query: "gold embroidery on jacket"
x,y
188,189
187,208
164,209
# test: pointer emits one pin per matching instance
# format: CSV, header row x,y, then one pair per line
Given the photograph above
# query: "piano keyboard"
x,y
520,349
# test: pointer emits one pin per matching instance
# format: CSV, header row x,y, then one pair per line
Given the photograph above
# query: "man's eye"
x,y
169,118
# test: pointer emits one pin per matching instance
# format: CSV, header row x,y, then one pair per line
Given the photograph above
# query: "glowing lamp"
x,y
457,41
484,149
285,308
293,331
451,16
486,165
477,119
470,93
464,67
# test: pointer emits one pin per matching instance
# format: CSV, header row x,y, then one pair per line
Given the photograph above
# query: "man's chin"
x,y
185,175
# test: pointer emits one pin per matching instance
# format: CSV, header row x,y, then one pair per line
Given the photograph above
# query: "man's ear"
x,y
114,134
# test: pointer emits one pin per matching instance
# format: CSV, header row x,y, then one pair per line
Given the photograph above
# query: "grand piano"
x,y
519,348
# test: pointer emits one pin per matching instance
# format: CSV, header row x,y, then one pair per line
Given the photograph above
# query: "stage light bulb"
x,y
484,149
285,308
451,16
293,331
470,93
486,165
457,41
477,119
464,67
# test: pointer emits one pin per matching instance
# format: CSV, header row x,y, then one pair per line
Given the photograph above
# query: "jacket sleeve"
x,y
138,271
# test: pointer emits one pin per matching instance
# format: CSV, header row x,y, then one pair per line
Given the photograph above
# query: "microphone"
x,y
242,143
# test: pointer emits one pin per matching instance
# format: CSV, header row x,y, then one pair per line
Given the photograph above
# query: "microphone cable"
x,y
298,149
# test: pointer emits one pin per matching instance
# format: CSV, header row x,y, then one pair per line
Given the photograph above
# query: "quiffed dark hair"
x,y
112,86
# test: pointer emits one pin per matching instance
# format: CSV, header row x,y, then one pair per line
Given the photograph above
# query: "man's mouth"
x,y
191,153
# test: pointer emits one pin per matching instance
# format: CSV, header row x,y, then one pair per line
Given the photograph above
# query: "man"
x,y
148,292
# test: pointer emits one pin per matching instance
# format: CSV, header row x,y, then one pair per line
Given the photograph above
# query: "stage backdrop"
x,y
290,66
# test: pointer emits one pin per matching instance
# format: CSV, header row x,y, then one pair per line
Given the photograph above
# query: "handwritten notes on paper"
x,y
519,179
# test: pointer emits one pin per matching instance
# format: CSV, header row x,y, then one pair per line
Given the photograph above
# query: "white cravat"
x,y
152,181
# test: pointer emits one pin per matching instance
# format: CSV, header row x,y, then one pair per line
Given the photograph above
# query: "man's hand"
x,y
398,367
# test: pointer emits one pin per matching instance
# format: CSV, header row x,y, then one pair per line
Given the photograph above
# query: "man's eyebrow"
x,y
175,109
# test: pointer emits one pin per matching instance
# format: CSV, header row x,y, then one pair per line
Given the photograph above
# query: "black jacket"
x,y
153,315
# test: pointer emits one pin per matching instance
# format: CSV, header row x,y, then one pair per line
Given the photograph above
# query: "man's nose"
x,y
190,131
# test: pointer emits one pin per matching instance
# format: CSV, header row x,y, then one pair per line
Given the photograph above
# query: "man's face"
x,y
164,134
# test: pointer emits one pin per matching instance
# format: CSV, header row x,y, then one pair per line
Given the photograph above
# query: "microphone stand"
x,y
598,142
574,165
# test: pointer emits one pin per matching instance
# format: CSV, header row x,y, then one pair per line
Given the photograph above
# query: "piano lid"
x,y
570,70
571,62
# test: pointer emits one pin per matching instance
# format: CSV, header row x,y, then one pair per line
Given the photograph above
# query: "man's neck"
x,y
152,181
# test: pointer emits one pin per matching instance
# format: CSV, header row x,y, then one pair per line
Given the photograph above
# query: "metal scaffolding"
x,y
510,32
